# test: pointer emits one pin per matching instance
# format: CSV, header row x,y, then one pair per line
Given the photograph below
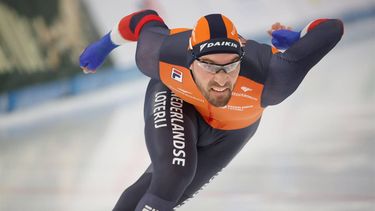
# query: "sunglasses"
x,y
215,68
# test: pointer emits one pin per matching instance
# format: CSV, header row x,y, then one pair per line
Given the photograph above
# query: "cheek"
x,y
234,76
204,81
202,77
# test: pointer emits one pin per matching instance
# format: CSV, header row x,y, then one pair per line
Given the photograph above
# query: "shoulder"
x,y
252,47
256,61
175,47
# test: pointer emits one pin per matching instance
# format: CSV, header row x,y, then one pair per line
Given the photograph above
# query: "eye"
x,y
208,62
236,60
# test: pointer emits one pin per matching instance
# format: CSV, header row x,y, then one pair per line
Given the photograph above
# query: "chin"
x,y
220,102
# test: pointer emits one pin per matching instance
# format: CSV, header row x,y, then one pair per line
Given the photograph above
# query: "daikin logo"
x,y
219,44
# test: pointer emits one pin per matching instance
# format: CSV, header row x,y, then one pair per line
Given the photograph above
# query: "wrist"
x,y
106,43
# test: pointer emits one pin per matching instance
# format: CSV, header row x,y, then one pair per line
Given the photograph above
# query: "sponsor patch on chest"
x,y
176,75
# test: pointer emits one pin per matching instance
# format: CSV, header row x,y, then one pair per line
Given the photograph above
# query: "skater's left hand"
x,y
282,36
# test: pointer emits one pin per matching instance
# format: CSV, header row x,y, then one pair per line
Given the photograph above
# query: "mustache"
x,y
214,83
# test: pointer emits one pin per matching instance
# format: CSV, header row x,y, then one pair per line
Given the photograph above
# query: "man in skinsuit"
x,y
207,92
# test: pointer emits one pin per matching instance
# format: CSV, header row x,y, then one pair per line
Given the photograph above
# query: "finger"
x,y
273,27
87,70
84,70
277,26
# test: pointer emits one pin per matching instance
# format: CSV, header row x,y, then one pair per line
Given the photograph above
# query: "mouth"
x,y
219,89
219,96
220,92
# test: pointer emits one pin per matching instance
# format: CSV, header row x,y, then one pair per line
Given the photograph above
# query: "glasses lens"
x,y
214,68
232,66
208,67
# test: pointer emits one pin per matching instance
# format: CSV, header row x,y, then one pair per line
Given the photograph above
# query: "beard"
x,y
216,98
219,101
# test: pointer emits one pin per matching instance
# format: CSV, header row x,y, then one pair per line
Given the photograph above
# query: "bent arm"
x,y
287,70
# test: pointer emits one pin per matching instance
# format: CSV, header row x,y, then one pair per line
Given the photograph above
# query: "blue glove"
x,y
283,39
94,55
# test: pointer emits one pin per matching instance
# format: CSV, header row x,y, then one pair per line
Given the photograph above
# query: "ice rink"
x,y
313,152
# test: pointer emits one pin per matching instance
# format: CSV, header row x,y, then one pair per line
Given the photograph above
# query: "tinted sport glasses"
x,y
215,68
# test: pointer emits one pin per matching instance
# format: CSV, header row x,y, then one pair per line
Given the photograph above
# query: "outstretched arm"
x,y
287,70
145,26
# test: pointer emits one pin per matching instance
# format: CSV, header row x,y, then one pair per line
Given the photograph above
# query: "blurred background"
x,y
70,141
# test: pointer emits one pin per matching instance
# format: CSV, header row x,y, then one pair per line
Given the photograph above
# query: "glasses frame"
x,y
220,67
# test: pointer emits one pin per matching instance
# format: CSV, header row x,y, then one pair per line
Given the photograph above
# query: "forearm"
x,y
287,70
128,29
317,39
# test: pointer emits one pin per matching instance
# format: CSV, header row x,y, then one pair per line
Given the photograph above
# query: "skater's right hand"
x,y
94,55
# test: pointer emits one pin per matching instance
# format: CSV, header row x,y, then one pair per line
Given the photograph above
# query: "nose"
x,y
221,78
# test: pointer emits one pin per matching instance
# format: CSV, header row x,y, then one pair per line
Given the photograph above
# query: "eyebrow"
x,y
213,62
